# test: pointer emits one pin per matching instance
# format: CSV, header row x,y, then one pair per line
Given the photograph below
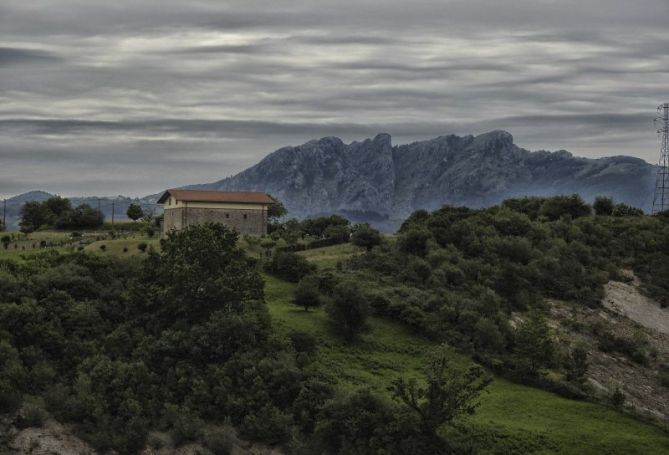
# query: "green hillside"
x,y
436,340
512,418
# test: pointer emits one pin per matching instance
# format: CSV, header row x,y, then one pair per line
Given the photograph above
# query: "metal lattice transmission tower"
x,y
661,198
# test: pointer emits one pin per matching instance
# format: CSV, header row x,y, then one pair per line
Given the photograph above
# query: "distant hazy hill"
x,y
121,203
375,181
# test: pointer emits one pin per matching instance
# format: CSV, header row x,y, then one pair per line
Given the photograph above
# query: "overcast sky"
x,y
133,96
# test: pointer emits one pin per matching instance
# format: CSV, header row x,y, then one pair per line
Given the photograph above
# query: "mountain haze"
x,y
376,181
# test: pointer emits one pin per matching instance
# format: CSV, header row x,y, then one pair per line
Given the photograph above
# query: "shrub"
x,y
414,241
289,266
365,236
221,441
349,310
603,206
142,246
185,425
155,441
577,364
617,398
571,206
32,415
303,342
268,425
103,247
307,293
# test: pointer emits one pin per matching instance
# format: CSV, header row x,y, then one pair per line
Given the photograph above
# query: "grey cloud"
x,y
13,56
130,91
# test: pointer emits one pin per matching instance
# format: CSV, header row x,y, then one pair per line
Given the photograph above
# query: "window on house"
x,y
245,216
227,215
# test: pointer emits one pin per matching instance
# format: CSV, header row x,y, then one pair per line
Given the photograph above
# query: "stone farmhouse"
x,y
244,211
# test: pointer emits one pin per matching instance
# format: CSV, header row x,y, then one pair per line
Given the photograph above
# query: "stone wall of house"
x,y
244,221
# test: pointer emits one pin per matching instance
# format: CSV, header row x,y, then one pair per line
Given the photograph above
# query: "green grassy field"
x,y
512,418
115,247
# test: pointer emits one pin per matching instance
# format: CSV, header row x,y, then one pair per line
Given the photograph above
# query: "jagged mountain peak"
x,y
372,180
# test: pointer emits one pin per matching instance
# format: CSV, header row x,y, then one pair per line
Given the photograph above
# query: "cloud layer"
x,y
135,96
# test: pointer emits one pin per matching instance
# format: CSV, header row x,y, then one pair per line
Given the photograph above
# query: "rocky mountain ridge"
x,y
376,181
381,183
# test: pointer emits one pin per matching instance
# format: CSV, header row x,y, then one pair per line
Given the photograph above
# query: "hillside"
x,y
512,418
382,183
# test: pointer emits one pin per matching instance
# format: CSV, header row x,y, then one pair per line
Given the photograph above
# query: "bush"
x,y
155,441
103,247
289,266
617,398
603,206
221,441
570,206
414,241
185,425
303,342
142,247
307,293
32,415
365,236
349,310
268,425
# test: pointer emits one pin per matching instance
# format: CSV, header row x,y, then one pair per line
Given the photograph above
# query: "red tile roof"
x,y
248,197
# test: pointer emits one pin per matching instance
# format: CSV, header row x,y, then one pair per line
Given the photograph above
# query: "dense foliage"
x,y
58,213
458,274
172,342
332,227
121,347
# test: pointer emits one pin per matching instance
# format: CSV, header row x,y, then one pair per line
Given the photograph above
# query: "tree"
x,y
340,232
307,293
626,210
276,210
365,236
603,206
349,310
84,217
6,240
556,207
57,206
33,216
450,392
577,364
199,270
414,241
534,347
317,226
289,266
134,212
